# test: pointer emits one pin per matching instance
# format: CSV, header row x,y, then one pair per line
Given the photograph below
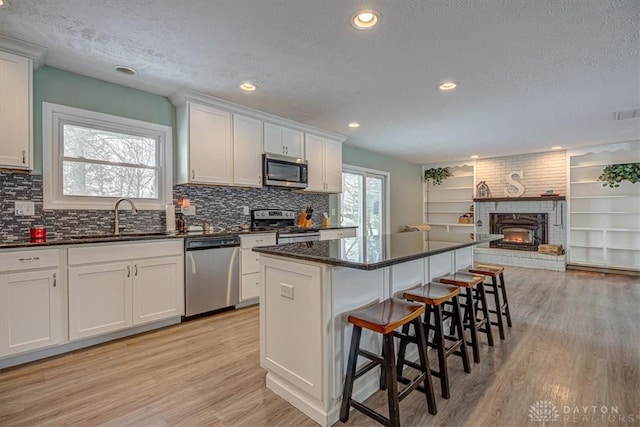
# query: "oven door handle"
x,y
193,262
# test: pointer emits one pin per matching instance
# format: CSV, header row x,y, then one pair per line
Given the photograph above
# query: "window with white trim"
x,y
92,159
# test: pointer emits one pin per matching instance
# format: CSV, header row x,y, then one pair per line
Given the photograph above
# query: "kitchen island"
x,y
307,291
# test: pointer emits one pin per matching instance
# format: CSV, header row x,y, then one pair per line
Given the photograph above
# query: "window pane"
x,y
97,144
88,179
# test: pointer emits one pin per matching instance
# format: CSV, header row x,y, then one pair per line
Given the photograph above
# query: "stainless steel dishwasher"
x,y
212,274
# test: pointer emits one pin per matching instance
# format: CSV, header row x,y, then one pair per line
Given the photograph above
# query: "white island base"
x,y
304,334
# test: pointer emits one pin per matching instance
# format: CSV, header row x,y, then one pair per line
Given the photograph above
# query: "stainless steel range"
x,y
284,223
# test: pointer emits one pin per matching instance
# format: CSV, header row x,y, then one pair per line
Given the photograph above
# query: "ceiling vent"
x,y
626,114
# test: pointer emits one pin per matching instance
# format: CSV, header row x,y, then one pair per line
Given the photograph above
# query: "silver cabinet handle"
x,y
259,179
55,279
135,266
128,271
35,258
193,174
259,240
24,157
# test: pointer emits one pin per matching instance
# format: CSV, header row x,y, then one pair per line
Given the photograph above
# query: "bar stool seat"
x,y
475,298
435,296
384,318
499,292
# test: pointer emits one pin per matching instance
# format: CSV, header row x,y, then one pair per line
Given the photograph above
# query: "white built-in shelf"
x,y
443,224
598,197
456,190
450,201
604,212
594,208
449,189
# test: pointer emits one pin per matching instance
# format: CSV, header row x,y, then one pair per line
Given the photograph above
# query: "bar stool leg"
x,y
496,299
402,350
485,312
351,373
424,361
442,348
505,300
470,316
392,380
457,321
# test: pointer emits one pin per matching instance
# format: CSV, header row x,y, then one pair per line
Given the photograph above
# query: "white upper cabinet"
x,y
283,141
16,117
247,151
210,146
325,164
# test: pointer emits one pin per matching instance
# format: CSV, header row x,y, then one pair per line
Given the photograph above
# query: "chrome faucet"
x,y
116,222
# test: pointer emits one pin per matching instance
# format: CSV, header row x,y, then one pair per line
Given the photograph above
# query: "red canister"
x,y
38,234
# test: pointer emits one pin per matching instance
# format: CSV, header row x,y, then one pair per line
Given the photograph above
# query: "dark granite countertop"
x,y
124,237
381,251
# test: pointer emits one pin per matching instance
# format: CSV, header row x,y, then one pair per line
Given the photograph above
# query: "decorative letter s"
x,y
511,182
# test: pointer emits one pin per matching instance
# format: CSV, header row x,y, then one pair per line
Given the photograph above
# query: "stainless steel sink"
x,y
113,236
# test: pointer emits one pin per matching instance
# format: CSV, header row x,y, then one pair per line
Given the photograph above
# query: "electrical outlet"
x,y
333,211
189,211
245,210
24,208
286,291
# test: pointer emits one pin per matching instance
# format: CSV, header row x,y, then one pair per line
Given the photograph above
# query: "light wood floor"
x,y
575,342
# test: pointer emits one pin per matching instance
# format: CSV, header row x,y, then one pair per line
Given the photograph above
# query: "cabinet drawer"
x,y
337,234
124,251
250,261
255,240
29,260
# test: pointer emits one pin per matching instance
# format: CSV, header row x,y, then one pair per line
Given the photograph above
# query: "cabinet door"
x,y
210,145
247,151
314,149
273,139
15,111
250,286
333,166
292,140
30,311
99,299
158,289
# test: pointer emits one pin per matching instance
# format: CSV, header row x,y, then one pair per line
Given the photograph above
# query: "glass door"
x,y
363,204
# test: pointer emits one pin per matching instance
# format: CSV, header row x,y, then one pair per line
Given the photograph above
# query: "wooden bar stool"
x,y
384,318
435,296
475,295
498,291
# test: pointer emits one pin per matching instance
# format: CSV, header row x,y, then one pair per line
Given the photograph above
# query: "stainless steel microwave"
x,y
280,171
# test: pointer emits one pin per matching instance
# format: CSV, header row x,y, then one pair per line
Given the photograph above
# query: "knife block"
x,y
302,219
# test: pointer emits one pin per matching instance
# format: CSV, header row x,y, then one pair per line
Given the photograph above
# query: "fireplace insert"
x,y
522,231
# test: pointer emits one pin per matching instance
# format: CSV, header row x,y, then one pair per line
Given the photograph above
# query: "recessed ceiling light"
x,y
556,147
475,156
4,3
248,86
354,125
448,85
365,19
125,70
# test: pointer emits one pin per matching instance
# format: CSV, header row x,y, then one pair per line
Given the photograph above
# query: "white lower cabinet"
x,y
30,311
111,291
99,299
250,264
156,295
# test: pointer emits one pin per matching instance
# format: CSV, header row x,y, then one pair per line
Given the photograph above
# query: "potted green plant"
x,y
613,175
437,175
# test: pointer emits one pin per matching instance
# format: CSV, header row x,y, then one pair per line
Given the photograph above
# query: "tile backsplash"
x,y
220,206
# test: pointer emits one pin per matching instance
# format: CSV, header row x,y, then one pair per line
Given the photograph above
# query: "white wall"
x,y
542,172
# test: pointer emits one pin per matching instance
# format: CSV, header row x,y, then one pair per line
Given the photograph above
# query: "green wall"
x,y
74,90
405,189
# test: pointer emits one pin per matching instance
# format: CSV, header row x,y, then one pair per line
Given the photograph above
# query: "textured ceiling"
x,y
533,74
